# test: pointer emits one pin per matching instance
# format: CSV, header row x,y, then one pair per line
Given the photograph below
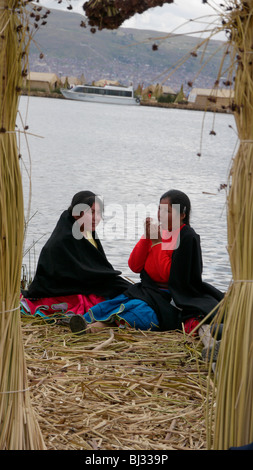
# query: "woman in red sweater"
x,y
171,291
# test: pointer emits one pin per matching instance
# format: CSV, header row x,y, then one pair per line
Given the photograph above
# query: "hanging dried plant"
x,y
110,14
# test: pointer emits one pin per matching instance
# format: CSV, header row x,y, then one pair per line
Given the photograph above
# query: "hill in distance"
x,y
125,54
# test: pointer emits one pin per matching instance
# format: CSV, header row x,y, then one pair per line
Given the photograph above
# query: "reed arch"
x,y
233,420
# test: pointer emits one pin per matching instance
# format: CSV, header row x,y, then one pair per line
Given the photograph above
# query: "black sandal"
x,y
78,324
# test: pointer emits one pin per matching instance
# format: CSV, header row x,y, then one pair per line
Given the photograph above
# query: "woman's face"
x,y
168,216
165,214
90,218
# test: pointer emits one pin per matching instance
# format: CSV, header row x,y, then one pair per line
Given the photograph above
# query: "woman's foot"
x,y
97,326
79,325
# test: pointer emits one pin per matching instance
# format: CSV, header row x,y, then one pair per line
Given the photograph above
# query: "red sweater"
x,y
155,260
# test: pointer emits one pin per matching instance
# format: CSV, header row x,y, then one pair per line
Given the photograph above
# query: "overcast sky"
x,y
165,18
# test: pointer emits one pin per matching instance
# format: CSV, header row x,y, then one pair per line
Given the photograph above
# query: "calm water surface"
x,y
130,156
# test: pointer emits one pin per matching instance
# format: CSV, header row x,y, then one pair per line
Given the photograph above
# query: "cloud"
x,y
184,17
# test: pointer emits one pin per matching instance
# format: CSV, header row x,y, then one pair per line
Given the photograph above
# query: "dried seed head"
x,y
227,83
222,186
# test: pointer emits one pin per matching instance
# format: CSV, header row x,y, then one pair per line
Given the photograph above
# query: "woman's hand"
x,y
152,230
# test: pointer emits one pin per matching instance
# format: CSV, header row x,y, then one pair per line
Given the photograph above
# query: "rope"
x,y
12,310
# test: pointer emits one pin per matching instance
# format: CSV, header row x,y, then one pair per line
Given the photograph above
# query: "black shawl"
x,y
69,266
191,295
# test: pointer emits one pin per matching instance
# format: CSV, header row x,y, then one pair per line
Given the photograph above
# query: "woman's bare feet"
x,y
97,326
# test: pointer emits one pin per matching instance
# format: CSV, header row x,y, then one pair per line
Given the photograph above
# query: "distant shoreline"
x,y
188,106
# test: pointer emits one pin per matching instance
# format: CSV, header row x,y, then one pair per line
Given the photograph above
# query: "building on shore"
x,y
211,97
156,91
42,81
69,82
167,90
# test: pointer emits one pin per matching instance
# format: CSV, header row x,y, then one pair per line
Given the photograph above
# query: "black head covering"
x,y
68,265
84,197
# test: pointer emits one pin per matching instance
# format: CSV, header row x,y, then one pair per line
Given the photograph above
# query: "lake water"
x,y
130,156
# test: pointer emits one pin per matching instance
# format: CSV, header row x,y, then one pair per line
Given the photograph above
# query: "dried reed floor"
x,y
116,389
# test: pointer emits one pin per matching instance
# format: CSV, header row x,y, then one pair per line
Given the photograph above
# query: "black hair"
x,y
85,197
178,197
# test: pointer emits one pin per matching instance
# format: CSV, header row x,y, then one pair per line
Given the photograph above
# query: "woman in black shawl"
x,y
73,272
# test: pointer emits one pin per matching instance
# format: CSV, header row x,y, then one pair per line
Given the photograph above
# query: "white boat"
x,y
111,94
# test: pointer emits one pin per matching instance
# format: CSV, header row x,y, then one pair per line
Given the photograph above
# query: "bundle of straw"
x,y
234,370
18,425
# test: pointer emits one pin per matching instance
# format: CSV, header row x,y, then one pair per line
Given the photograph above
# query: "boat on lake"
x,y
112,94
